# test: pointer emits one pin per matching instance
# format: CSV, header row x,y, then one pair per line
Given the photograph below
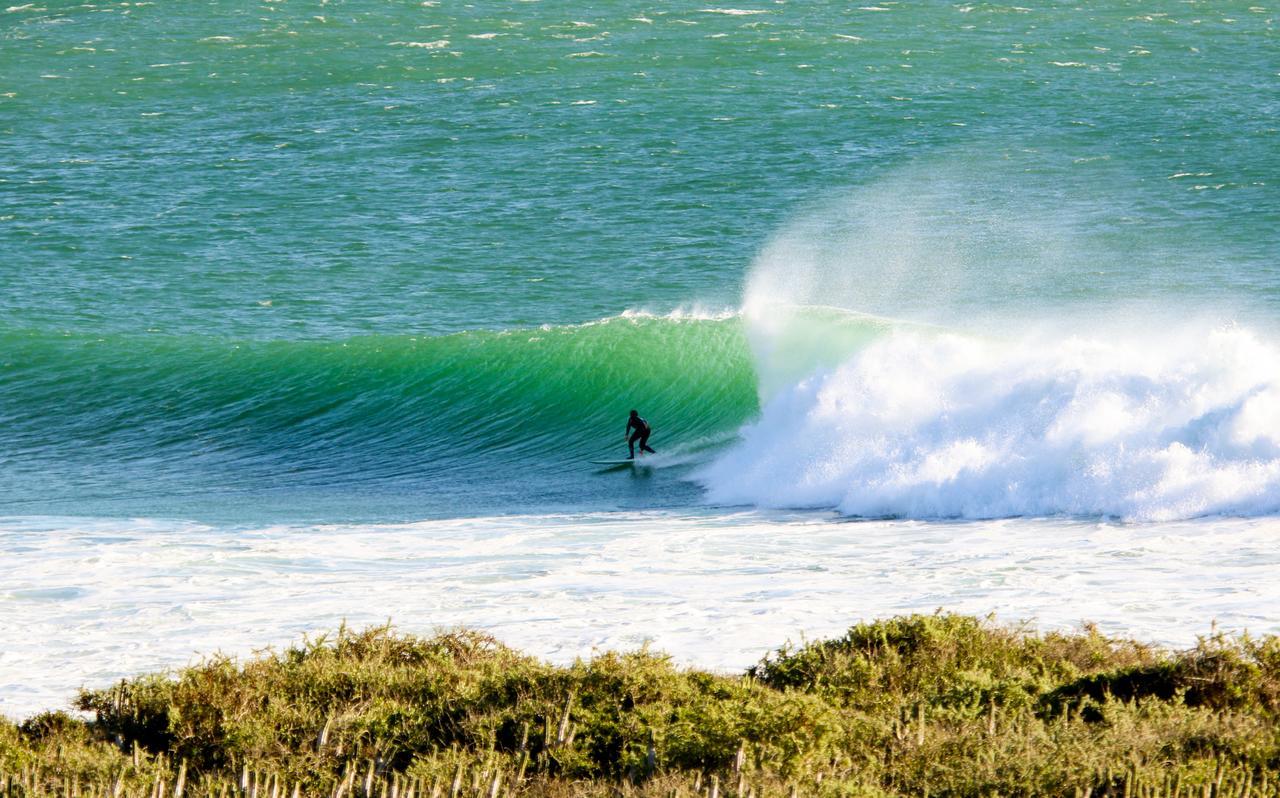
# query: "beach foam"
x,y
86,602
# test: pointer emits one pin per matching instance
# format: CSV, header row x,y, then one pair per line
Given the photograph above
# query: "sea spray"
x,y
940,342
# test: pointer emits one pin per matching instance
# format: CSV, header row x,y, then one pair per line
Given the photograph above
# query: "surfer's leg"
x,y
631,445
644,444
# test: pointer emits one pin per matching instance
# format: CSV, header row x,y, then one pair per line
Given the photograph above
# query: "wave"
x,y
781,406
933,424
363,409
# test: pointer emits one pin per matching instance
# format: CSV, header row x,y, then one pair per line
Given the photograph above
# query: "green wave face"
x,y
433,419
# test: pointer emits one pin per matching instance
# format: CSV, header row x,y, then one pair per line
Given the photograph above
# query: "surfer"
x,y
641,434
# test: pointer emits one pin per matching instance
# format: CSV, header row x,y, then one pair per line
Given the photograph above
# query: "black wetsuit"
x,y
641,435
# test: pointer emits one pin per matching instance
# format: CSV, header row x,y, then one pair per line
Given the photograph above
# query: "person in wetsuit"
x,y
641,435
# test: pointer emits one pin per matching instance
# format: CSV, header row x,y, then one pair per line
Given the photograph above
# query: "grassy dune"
x,y
918,705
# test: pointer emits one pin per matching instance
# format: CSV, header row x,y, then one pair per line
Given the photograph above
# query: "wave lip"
x,y
938,425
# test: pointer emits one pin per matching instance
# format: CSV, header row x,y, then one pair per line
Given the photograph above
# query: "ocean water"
x,y
317,310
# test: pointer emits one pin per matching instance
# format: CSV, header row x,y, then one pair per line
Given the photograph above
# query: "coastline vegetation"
x,y
918,705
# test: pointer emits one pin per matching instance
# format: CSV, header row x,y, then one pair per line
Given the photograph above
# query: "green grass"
x,y
919,705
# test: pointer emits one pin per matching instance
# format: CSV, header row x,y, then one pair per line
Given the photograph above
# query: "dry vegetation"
x,y
919,705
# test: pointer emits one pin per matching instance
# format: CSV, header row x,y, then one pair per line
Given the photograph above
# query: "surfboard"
x,y
609,465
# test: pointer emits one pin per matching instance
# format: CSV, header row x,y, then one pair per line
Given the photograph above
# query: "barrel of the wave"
x,y
145,416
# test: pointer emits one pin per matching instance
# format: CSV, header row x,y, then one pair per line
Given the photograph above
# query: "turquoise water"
x,y
342,260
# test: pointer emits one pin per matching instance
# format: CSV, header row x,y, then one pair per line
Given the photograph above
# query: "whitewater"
x,y
941,425
100,600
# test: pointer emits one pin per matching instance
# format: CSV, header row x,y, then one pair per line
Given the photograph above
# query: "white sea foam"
x,y
433,45
87,602
693,312
925,424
